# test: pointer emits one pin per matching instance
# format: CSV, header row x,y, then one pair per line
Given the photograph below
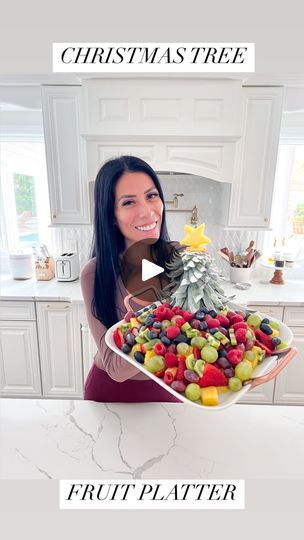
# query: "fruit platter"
x,y
209,358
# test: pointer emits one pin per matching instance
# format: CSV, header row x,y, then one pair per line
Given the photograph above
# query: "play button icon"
x,y
149,270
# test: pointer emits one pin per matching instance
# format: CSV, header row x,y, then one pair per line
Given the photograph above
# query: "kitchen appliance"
x,y
67,266
21,264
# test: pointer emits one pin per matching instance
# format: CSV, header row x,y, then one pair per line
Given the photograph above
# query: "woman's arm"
x,y
116,367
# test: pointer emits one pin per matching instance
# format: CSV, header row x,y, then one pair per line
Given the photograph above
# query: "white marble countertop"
x,y
45,439
292,293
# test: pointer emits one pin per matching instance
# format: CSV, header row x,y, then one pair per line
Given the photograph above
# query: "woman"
x,y
129,208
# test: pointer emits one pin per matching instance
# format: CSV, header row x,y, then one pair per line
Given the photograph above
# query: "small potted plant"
x,y
298,219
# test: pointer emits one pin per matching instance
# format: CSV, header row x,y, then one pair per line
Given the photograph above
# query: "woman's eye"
x,y
153,195
127,203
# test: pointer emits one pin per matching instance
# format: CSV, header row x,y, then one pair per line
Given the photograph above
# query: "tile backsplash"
x,y
207,195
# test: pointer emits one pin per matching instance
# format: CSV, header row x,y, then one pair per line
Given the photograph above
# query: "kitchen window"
x,y
24,201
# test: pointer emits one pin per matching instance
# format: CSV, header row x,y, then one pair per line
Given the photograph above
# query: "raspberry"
x,y
181,368
170,314
170,360
230,314
179,321
161,312
172,332
213,323
175,309
169,375
224,321
234,356
236,319
159,349
238,325
240,335
212,376
188,316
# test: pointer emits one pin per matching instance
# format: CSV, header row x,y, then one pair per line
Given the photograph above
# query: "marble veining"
x,y
52,439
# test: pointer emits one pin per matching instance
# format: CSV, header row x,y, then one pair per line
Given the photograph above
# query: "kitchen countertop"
x,y
292,293
45,439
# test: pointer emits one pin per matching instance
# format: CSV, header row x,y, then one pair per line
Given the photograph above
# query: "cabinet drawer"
x,y
273,311
294,316
17,311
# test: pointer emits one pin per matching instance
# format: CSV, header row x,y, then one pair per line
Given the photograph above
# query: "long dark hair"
x,y
108,241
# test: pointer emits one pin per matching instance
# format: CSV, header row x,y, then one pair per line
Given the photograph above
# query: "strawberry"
x,y
118,338
212,376
196,353
234,356
267,340
172,332
181,368
264,347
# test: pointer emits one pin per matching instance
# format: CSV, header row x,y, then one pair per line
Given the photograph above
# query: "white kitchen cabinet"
x,y
60,354
289,388
256,158
65,154
19,359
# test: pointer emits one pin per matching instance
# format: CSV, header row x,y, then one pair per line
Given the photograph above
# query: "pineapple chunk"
x,y
134,322
149,354
222,389
209,396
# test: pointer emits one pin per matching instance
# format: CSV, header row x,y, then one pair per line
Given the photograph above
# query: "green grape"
x,y
165,324
209,354
254,320
154,364
183,348
198,342
243,370
234,384
193,391
274,325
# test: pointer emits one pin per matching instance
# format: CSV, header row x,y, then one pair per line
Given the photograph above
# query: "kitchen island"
x,y
53,439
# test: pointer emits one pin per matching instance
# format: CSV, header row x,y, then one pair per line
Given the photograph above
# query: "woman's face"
x,y
138,207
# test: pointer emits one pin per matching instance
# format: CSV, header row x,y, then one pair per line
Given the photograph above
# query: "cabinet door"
x,y
89,349
65,154
19,359
289,386
256,157
60,356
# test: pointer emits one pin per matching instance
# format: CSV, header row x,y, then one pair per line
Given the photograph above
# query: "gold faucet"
x,y
174,202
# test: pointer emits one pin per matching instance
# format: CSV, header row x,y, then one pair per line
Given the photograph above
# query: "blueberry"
x,y
213,330
152,335
203,325
136,313
265,321
212,313
165,340
130,339
181,339
146,309
126,348
153,306
161,334
139,357
222,353
266,329
149,321
157,324
276,341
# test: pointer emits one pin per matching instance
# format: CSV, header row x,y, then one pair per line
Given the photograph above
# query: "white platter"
x,y
226,399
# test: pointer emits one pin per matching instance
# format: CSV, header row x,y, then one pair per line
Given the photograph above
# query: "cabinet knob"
x,y
54,216
266,219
